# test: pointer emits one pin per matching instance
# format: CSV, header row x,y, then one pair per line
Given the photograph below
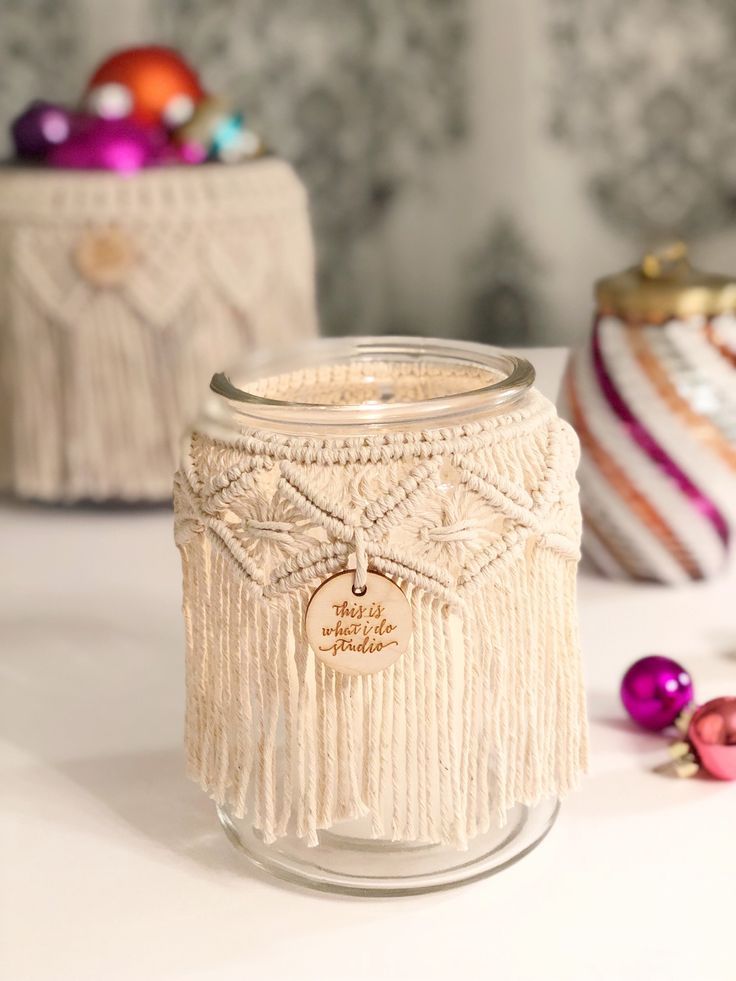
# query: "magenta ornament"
x,y
655,690
712,735
110,144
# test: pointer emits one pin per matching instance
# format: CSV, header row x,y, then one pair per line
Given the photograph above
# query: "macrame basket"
x,y
118,299
438,467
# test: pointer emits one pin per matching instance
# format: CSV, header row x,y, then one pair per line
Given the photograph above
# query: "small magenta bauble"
x,y
655,690
712,735
109,144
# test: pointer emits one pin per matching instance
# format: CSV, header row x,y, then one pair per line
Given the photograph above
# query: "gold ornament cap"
x,y
664,286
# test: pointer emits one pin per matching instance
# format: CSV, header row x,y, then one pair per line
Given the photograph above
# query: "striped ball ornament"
x,y
654,403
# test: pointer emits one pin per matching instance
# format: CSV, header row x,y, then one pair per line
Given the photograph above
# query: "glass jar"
x,y
428,472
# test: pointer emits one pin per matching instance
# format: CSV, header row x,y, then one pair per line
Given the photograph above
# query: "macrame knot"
x,y
277,531
465,530
186,529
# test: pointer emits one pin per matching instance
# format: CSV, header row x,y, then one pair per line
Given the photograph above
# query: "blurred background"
x,y
473,165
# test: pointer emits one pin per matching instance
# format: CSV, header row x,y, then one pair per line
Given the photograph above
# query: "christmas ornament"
x,y
655,690
109,144
653,398
42,126
710,740
145,106
215,132
152,85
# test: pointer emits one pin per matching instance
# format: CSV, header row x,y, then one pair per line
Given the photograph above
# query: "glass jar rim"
x,y
517,377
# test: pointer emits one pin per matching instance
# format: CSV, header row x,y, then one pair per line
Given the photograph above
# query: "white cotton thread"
x,y
405,704
361,563
486,708
100,379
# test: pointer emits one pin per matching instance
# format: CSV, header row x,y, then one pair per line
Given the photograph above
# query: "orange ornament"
x,y
152,85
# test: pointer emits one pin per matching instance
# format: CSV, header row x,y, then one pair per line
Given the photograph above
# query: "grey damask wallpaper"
x,y
645,93
39,48
472,165
358,95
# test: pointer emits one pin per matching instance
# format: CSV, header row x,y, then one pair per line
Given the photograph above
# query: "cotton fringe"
x,y
480,526
99,377
484,711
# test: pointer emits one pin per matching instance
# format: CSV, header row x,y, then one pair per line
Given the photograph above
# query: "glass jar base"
x,y
369,867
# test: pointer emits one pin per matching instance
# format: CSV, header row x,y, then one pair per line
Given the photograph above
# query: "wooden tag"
x,y
105,256
358,634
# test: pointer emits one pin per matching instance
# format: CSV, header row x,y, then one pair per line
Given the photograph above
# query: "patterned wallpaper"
x,y
472,165
357,95
39,46
645,94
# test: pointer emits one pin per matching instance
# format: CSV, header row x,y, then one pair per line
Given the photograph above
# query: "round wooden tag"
x,y
358,634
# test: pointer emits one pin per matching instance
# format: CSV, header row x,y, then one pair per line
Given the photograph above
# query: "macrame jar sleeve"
x,y
479,526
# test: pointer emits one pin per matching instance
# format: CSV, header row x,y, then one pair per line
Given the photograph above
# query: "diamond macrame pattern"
x,y
452,526
169,263
442,519
162,274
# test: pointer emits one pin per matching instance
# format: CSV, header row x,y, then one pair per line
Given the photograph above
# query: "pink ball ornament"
x,y
655,690
712,735
120,145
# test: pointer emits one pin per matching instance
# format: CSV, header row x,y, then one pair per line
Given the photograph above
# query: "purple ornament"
x,y
655,690
121,145
41,127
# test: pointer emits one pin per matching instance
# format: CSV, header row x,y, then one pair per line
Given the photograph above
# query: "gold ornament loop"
x,y
665,286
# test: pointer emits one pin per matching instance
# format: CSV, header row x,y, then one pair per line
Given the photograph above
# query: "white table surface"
x,y
114,867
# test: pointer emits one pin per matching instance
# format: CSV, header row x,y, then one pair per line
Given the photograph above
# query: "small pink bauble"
x,y
120,145
712,734
655,690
